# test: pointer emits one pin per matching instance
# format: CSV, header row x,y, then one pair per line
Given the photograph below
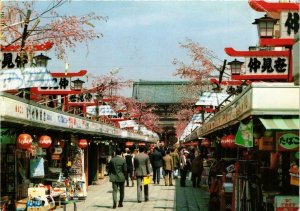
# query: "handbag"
x,y
146,180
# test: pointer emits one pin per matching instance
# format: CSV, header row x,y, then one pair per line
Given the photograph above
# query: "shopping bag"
x,y
147,180
175,173
37,167
189,175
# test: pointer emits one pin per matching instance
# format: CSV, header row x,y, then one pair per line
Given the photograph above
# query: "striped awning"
x,y
280,123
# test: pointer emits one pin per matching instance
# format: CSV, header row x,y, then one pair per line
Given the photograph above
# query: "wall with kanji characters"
x,y
296,62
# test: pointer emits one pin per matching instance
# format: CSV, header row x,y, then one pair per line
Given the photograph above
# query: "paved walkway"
x,y
161,198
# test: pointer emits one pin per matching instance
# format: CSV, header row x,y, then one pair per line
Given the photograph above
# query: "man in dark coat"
x,y
197,168
157,161
129,163
117,172
142,169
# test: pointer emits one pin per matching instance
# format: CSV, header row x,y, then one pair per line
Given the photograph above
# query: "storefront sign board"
x,y
24,78
265,66
289,24
287,141
286,203
12,108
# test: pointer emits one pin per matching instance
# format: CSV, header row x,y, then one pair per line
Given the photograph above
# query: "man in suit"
x,y
168,167
156,161
142,169
197,169
117,172
129,163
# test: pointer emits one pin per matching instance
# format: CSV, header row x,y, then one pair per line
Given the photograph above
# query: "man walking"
x,y
197,168
185,165
117,172
168,168
142,169
156,160
175,156
129,163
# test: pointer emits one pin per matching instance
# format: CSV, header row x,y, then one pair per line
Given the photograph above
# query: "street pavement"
x,y
161,198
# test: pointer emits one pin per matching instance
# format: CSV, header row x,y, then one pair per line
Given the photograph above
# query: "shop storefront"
x,y
255,141
53,150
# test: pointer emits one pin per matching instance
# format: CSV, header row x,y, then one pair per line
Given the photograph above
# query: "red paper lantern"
x,y
129,143
44,141
205,143
82,143
231,141
223,141
24,141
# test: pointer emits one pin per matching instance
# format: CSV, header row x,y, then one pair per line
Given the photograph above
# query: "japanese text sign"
x,y
289,24
266,66
287,141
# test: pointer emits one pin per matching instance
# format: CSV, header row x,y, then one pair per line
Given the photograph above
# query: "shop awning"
x,y
280,123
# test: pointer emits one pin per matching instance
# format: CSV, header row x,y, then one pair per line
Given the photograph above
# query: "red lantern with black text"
x,y
44,141
24,141
230,141
206,143
82,143
223,141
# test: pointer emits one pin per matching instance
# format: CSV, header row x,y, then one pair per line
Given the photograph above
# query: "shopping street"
x,y
161,198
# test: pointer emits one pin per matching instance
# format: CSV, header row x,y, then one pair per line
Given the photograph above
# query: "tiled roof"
x,y
160,92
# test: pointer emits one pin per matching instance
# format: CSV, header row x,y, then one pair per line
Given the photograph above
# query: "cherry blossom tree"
x,y
204,64
109,84
142,113
63,31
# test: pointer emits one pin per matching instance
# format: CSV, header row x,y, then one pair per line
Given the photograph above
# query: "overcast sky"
x,y
142,38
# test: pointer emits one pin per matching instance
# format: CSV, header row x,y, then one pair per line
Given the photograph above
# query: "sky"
x,y
141,38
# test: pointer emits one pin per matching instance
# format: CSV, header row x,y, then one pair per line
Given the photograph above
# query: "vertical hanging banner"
x,y
244,135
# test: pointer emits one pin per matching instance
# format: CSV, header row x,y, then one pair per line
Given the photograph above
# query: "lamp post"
x,y
265,26
41,60
235,67
77,84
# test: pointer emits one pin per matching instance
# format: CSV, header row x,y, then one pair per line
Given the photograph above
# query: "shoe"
x,y
139,201
127,185
171,184
120,204
114,206
146,200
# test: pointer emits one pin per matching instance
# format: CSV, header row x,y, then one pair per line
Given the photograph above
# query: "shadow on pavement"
x,y
165,208
102,206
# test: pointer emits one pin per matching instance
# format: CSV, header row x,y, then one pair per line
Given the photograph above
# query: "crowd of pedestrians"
x,y
163,163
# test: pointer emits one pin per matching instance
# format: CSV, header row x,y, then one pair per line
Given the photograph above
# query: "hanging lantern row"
x,y
82,143
44,141
228,141
24,141
205,143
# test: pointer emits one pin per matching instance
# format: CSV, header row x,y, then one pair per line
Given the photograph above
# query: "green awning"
x,y
281,123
